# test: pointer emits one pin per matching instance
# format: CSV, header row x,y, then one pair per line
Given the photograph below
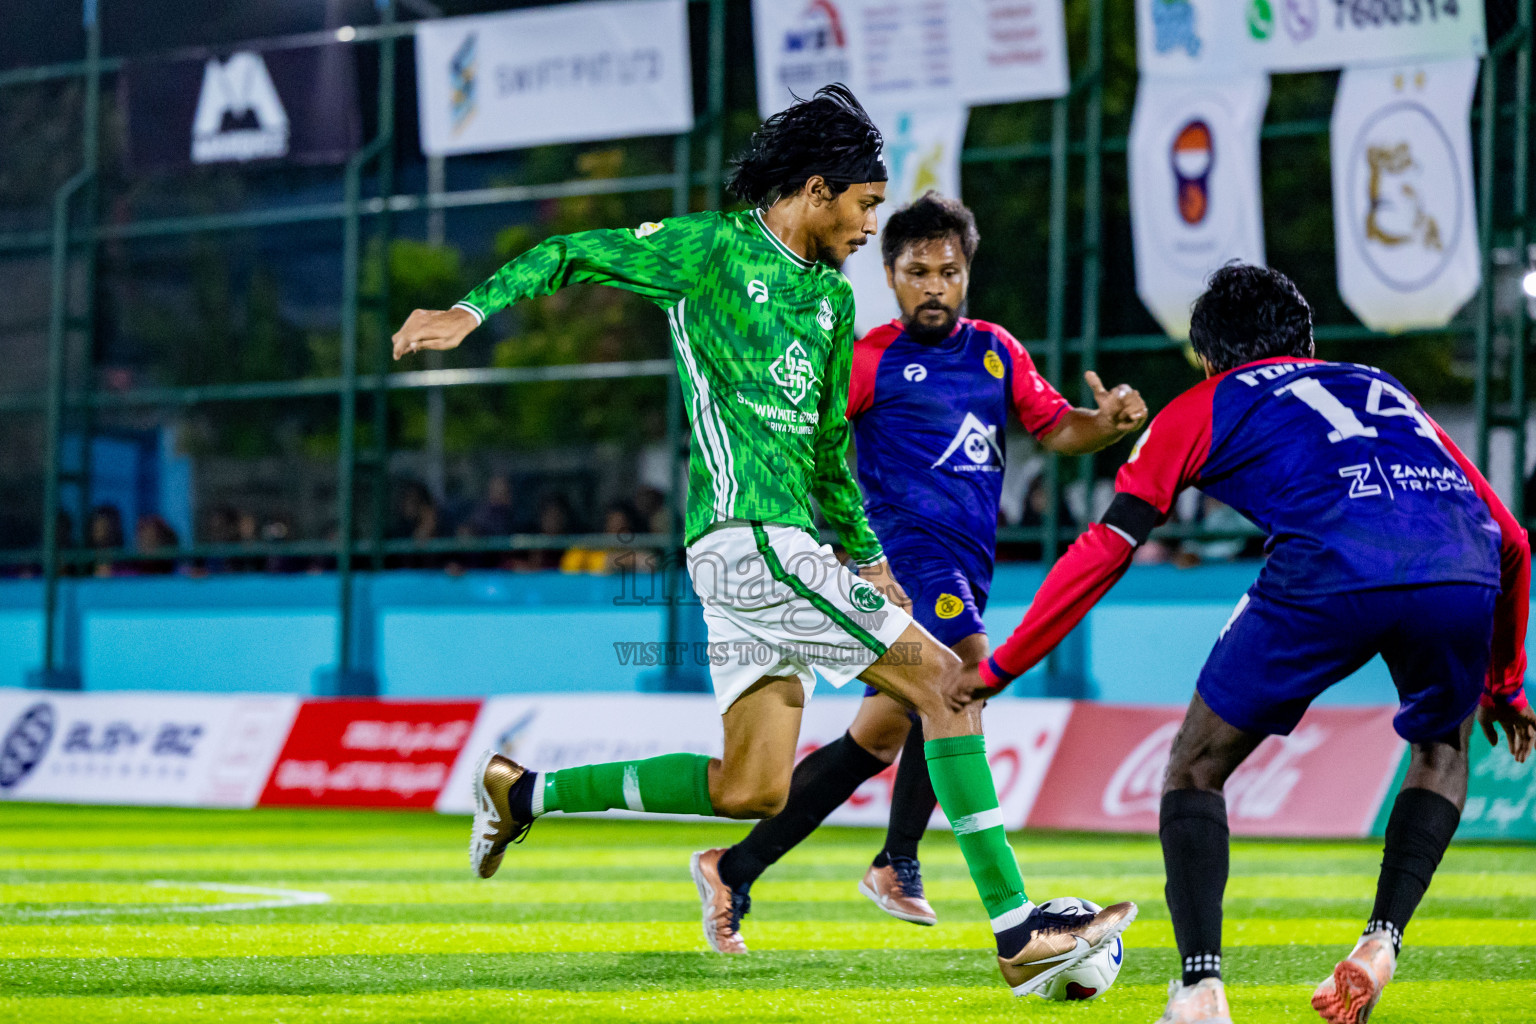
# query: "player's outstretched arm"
x,y
663,262
1121,410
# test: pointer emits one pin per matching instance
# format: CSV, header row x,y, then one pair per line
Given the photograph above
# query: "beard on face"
x,y
927,333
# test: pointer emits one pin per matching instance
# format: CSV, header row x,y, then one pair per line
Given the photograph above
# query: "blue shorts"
x,y
946,600
1277,656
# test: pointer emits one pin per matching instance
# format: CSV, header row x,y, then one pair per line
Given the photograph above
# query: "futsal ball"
x,y
1092,977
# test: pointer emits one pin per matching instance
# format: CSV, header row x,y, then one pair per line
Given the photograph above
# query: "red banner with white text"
x,y
370,753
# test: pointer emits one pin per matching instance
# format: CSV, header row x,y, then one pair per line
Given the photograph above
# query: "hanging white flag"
x,y
922,152
1404,226
896,53
1194,170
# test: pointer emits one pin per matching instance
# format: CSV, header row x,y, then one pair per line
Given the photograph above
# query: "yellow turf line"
x,y
194,940
1406,1003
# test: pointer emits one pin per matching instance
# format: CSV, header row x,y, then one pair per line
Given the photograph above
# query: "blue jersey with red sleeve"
x,y
1355,485
929,421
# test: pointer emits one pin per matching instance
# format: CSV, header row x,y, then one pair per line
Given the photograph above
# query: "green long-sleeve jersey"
x,y
764,343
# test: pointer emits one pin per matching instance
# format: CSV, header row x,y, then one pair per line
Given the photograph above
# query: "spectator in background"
x,y
495,514
417,518
651,507
555,519
620,519
104,535
153,535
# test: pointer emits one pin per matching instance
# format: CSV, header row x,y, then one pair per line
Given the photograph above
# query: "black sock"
x,y
520,796
822,781
912,801
1419,830
1193,827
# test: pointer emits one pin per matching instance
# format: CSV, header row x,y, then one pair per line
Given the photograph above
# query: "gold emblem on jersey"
x,y
948,606
993,363
650,227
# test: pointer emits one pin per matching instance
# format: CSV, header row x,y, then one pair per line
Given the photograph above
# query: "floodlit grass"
x,y
110,915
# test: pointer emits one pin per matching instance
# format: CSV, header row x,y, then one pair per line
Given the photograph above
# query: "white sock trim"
x,y
1203,962
537,801
632,788
1012,918
979,822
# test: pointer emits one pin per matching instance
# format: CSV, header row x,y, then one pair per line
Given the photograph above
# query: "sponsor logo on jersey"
x,y
650,227
757,291
865,597
239,115
978,442
1261,19
794,372
993,363
25,744
915,372
948,606
825,317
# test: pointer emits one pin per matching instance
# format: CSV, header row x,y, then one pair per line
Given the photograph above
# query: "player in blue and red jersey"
x,y
1384,539
930,396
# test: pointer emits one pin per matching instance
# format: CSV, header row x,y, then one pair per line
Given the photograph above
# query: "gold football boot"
x,y
494,828
1057,945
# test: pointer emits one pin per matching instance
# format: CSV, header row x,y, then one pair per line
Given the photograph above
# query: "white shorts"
x,y
777,603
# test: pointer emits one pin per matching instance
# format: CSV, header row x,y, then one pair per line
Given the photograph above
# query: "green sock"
x,y
962,780
670,784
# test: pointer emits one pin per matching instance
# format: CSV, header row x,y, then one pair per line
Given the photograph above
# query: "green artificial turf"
x,y
116,914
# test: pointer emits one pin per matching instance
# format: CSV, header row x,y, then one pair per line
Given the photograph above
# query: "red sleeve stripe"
x,y
866,364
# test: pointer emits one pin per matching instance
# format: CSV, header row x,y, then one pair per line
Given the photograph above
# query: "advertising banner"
x,y
139,748
1501,793
1403,216
297,106
1182,38
548,732
900,53
1108,773
369,753
922,152
571,73
1194,183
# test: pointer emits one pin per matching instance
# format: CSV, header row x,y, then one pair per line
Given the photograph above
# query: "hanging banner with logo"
x,y
1194,177
572,73
900,53
922,152
1181,38
298,106
1403,217
170,749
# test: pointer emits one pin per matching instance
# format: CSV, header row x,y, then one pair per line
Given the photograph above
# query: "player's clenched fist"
x,y
439,329
1122,409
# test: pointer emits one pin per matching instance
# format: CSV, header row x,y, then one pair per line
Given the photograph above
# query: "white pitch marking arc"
x,y
282,898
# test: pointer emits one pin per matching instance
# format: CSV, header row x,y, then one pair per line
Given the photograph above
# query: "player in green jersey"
x,y
762,325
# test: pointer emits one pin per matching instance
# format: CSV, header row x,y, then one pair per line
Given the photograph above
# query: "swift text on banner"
x,y
572,73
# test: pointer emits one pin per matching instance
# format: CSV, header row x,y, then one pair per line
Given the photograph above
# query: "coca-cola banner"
x,y
1107,775
370,753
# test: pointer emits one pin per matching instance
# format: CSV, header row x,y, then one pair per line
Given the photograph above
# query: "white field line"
x,y
281,898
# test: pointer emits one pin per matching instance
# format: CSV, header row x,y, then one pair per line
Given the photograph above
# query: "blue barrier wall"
x,y
430,634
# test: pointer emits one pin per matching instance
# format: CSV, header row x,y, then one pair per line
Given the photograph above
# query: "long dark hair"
x,y
829,134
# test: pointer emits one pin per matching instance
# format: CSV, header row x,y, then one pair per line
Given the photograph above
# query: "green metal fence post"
x,y
1482,385
53,675
348,677
1521,329
1093,220
378,458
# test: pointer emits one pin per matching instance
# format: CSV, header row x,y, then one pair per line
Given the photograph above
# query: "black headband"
x,y
855,170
